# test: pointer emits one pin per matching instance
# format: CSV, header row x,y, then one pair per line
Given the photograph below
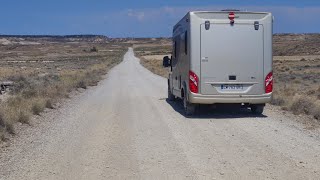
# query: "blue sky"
x,y
140,18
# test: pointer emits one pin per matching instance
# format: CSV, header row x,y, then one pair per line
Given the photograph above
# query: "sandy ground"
x,y
296,58
125,129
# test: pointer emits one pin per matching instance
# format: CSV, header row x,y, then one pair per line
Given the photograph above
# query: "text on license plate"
x,y
231,87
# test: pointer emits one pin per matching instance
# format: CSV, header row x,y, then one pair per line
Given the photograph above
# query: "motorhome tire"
x,y
188,107
257,109
171,97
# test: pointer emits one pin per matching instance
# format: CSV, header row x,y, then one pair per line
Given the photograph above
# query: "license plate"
x,y
231,87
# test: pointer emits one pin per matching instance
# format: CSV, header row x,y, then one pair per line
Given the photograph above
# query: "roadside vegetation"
x,y
296,70
297,73
151,56
44,74
297,85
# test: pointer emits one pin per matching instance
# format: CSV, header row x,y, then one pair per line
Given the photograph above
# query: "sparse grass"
x,y
38,86
155,66
31,96
296,44
298,90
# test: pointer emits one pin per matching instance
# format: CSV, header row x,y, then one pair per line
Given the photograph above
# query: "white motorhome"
x,y
222,57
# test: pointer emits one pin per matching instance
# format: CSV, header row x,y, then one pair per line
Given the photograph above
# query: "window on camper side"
x,y
175,55
175,49
178,49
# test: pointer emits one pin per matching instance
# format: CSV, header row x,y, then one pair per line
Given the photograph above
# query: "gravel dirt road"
x,y
125,129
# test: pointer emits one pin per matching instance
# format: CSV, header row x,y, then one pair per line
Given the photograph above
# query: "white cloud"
x,y
139,15
169,9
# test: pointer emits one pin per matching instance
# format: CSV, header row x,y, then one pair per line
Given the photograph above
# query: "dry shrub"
x,y
296,81
10,128
278,100
93,49
82,84
51,92
311,92
2,121
16,110
302,104
49,104
6,120
20,83
30,92
315,112
38,107
2,134
12,109
24,117
288,91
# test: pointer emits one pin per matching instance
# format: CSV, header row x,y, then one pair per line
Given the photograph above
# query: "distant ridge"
x,y
55,36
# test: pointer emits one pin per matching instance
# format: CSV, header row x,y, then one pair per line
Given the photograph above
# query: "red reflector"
x,y
193,82
269,83
232,16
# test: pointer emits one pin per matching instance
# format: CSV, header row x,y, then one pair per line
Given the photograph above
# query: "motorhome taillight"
x,y
269,83
193,82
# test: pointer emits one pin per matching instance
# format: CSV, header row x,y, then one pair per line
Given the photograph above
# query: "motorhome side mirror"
x,y
166,61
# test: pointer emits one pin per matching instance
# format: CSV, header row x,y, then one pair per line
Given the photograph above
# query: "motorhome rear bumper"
x,y
213,99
